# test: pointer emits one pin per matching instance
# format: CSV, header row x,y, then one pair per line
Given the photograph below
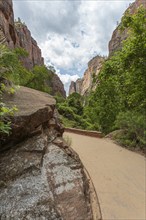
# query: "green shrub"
x,y
133,125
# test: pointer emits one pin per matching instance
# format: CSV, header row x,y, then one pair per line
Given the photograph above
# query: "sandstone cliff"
x,y
57,86
7,29
41,177
86,84
76,86
118,36
25,41
16,34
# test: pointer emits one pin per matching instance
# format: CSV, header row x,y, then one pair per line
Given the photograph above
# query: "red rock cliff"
x,y
85,85
16,34
7,29
117,36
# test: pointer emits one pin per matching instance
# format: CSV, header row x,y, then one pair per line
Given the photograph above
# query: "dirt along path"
x,y
119,177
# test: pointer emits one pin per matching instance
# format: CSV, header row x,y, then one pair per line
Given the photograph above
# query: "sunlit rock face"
x,y
41,177
76,86
86,84
118,36
16,34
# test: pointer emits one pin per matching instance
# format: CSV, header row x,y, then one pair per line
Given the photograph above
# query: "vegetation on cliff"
x,y
12,70
119,101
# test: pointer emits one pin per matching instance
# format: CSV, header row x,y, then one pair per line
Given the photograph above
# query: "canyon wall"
x,y
118,36
16,34
86,84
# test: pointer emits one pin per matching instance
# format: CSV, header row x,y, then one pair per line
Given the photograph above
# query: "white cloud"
x,y
70,33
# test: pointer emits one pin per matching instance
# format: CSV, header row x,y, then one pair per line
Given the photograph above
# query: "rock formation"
x,y
118,36
16,34
25,41
72,87
85,85
75,86
7,28
41,177
57,86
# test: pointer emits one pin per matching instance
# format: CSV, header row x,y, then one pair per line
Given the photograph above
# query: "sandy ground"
x,y
119,177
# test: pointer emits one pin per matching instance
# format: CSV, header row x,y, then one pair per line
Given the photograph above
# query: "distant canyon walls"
x,y
16,34
86,84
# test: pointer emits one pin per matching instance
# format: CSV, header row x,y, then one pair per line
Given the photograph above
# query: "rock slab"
x,y
40,176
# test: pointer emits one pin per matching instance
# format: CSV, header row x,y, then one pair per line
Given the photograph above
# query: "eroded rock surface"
x,y
40,177
86,84
118,36
17,35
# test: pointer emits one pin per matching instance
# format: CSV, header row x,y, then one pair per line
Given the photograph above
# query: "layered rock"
x,y
41,177
7,29
16,34
25,40
86,84
75,86
118,36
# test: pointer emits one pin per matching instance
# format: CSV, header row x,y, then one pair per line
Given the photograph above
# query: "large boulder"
x,y
41,177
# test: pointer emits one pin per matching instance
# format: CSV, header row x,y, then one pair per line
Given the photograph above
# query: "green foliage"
x,y
122,85
5,113
133,126
40,79
11,67
75,101
71,111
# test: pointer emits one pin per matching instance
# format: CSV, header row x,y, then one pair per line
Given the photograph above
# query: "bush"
x,y
66,112
133,125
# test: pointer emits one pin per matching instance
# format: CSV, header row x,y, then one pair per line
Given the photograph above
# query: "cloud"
x,y
66,79
69,32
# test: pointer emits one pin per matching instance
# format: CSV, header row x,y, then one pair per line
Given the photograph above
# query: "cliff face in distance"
x,y
84,85
118,36
16,34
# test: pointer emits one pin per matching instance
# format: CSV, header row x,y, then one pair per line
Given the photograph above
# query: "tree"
x,y
122,80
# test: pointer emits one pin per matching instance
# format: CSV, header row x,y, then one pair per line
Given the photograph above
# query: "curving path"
x,y
118,176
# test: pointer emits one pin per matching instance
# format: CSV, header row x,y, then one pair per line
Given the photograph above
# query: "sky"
x,y
71,32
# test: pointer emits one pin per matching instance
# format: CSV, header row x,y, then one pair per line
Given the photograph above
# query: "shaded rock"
x,y
72,87
57,86
40,177
25,40
76,86
7,29
30,114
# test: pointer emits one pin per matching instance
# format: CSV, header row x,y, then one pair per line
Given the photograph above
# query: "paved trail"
x,y
118,176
